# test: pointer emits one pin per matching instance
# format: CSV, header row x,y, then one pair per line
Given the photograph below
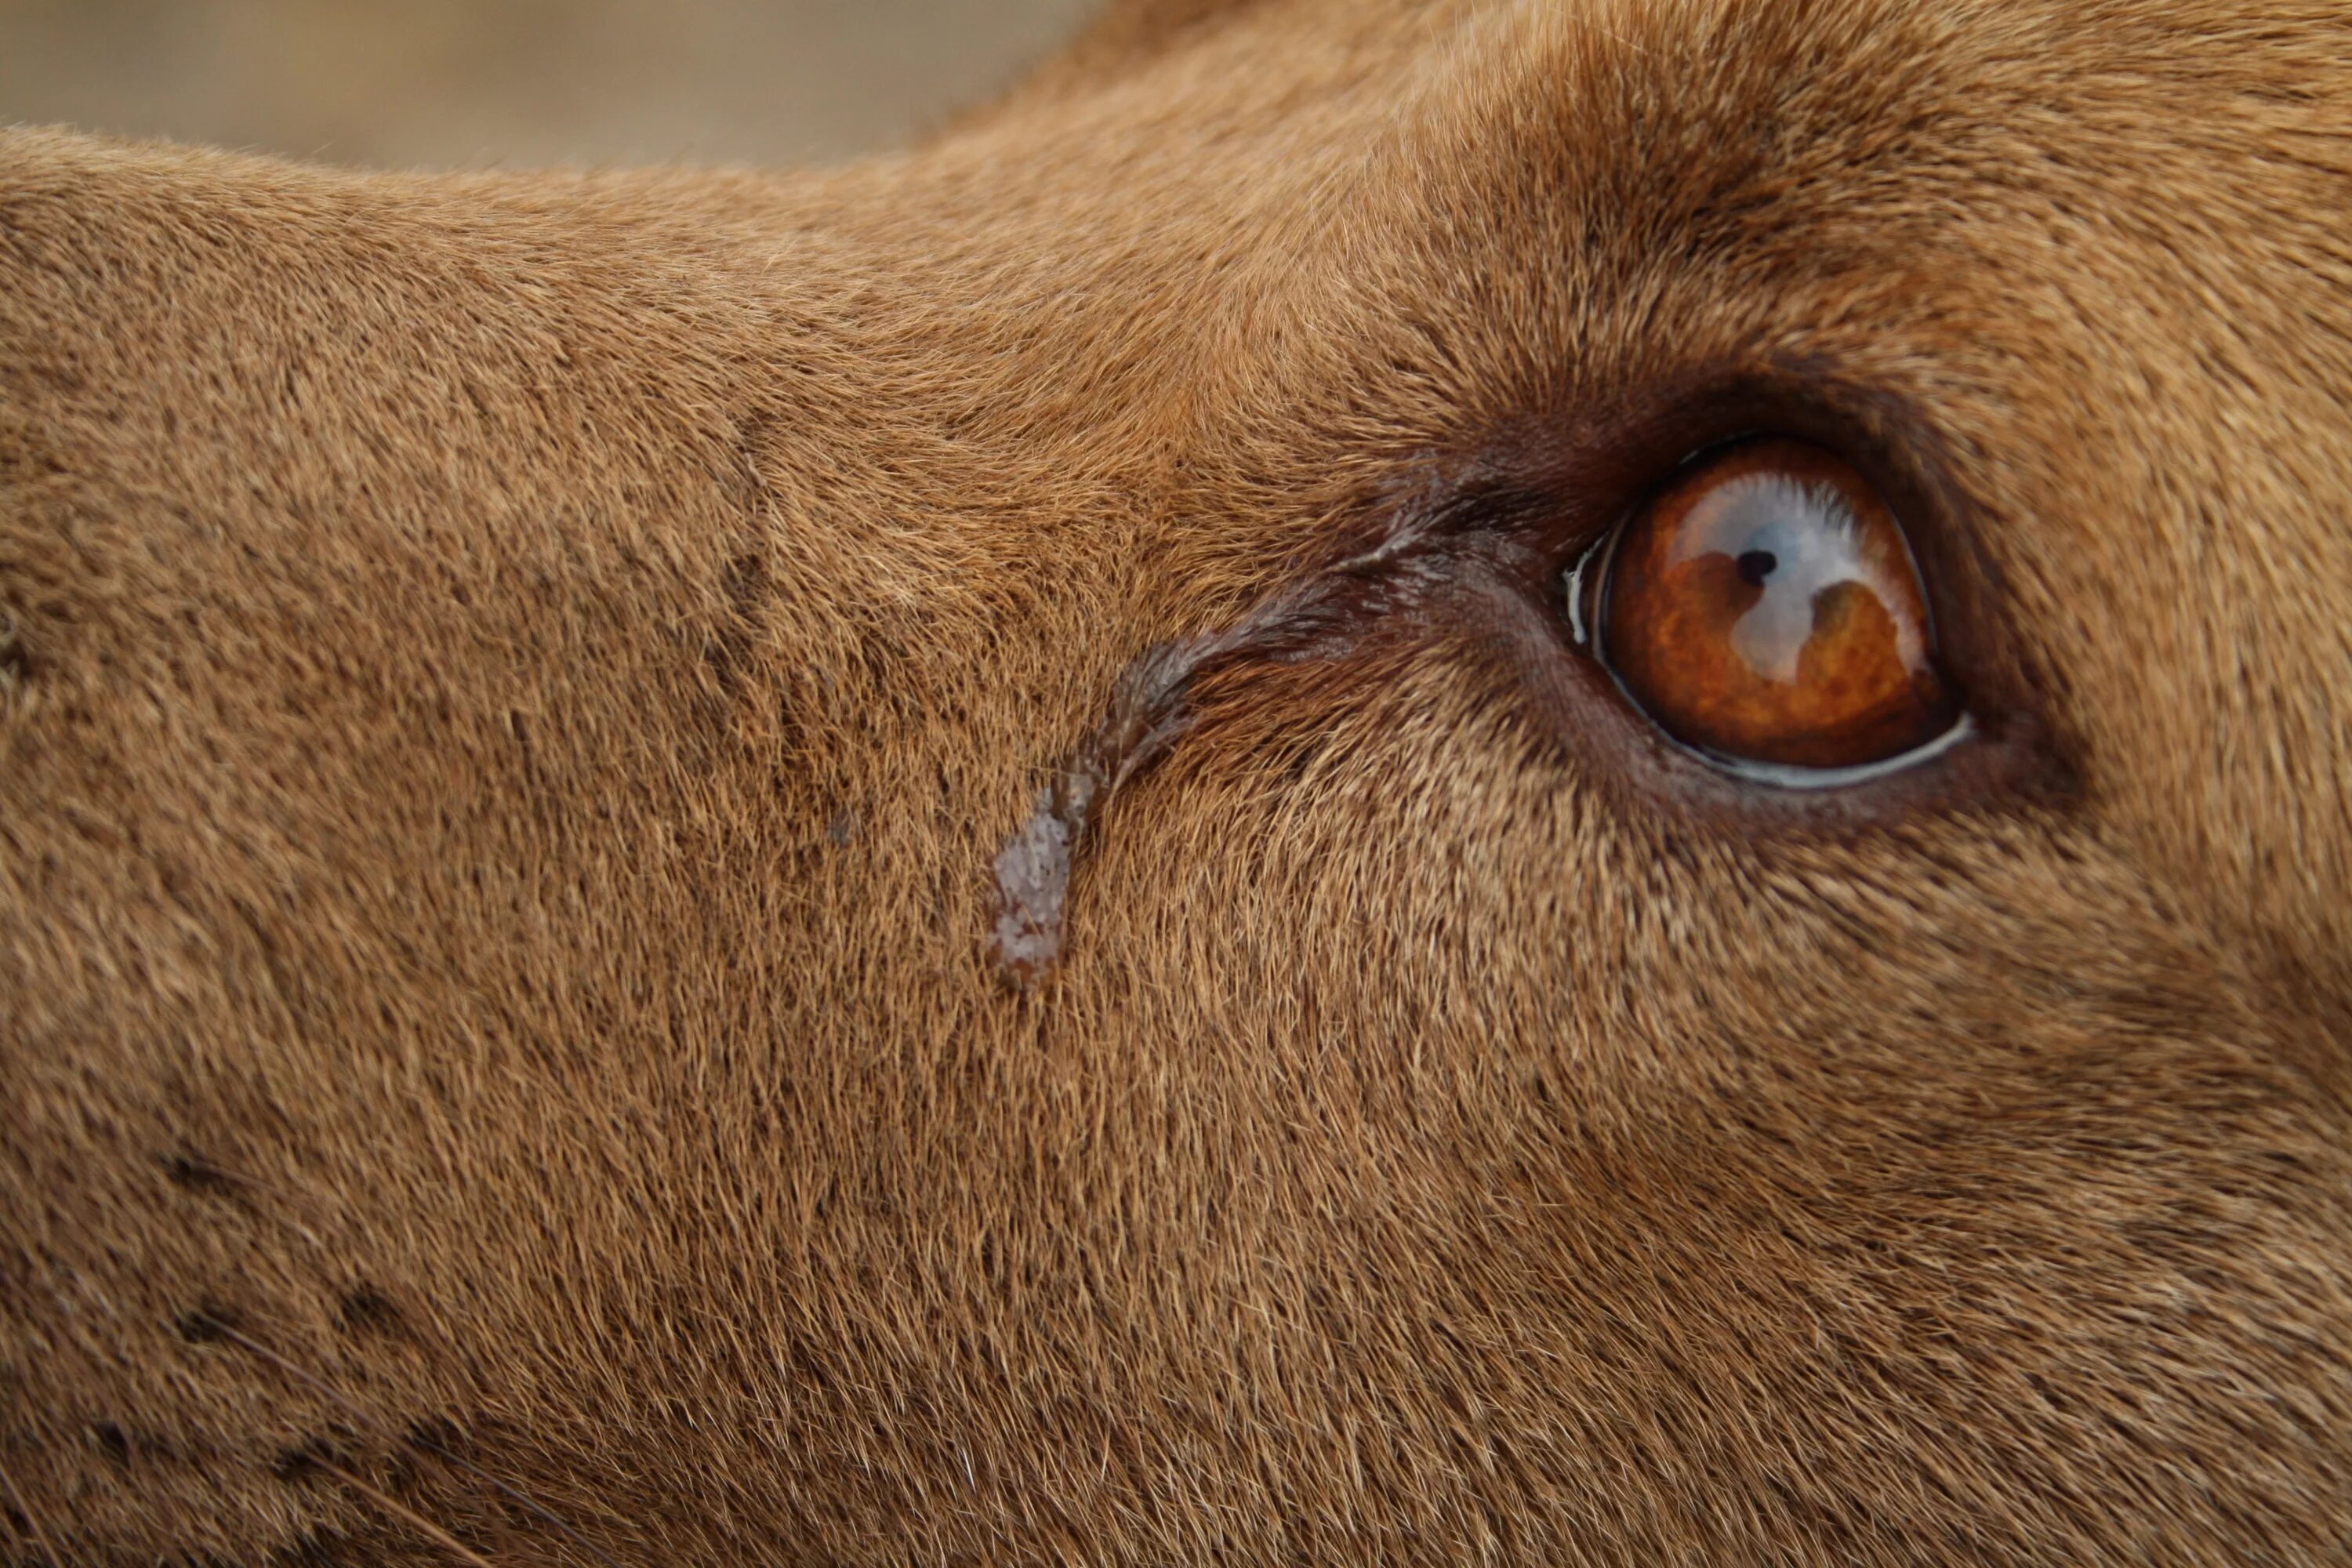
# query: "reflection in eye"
x,y
1765,609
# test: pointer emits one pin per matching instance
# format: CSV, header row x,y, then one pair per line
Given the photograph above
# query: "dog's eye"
x,y
1765,610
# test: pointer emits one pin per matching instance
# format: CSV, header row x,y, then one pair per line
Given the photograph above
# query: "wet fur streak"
x,y
1323,617
912,864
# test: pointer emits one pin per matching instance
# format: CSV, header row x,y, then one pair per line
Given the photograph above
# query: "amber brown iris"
x,y
1765,608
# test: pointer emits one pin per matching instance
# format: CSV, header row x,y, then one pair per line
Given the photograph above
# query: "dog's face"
x,y
1552,782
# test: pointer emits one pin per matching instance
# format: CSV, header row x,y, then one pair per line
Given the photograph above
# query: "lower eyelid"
x,y
1783,776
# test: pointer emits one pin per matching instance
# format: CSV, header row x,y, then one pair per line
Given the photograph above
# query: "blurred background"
x,y
507,83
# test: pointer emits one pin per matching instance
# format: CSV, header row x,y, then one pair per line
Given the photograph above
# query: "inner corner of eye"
x,y
1763,607
1579,583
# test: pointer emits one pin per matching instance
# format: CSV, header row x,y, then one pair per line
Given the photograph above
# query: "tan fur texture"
x,y
511,687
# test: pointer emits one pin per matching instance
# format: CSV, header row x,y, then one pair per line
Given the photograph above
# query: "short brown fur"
x,y
512,686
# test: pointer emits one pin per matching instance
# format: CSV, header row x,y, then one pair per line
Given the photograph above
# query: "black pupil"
x,y
1755,565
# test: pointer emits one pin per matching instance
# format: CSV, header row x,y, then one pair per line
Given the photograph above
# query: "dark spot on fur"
x,y
208,1324
842,829
808,1369
401,1473
16,658
318,1549
113,1440
194,1174
435,1434
302,1460
744,585
364,1310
